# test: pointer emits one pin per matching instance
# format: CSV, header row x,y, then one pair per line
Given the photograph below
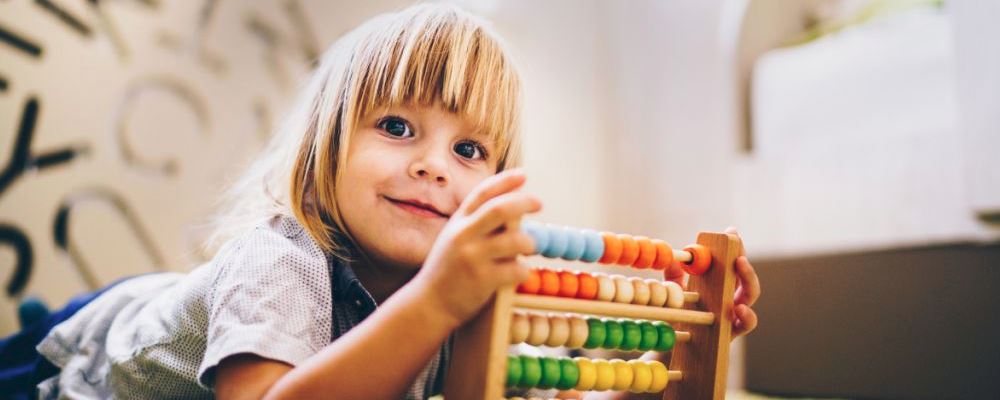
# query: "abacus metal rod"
x,y
613,309
674,376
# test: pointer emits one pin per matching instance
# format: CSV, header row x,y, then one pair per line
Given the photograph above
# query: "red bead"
x,y
664,254
701,259
550,282
588,286
612,248
532,284
647,253
569,284
630,250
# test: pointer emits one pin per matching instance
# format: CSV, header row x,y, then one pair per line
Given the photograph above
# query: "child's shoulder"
x,y
277,242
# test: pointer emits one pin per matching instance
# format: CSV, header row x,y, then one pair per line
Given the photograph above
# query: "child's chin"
x,y
410,259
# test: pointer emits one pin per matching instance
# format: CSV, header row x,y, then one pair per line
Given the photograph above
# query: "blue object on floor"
x,y
31,310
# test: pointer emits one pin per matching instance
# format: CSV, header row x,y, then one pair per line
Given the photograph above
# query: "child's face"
x,y
407,170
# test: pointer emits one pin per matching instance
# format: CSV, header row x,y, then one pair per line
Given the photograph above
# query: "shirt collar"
x,y
348,288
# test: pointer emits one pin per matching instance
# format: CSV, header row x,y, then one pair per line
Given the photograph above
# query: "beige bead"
x,y
519,327
578,332
675,295
657,292
558,331
624,293
605,287
539,330
640,290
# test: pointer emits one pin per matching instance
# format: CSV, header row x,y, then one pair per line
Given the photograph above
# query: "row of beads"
x,y
584,374
616,288
555,241
576,332
588,245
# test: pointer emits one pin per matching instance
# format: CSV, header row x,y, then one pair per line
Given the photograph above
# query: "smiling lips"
x,y
417,207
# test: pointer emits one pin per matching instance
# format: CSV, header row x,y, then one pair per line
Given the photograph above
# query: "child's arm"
x,y
473,256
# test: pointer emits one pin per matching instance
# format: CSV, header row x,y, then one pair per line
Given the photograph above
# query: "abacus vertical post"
x,y
705,359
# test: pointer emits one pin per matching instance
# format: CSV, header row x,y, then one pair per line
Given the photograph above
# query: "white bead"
x,y
675,295
519,327
558,331
641,291
578,332
605,287
657,292
539,330
624,292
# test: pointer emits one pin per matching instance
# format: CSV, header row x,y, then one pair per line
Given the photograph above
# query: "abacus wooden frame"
x,y
478,365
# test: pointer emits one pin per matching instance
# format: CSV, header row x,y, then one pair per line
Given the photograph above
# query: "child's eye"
x,y
396,126
470,150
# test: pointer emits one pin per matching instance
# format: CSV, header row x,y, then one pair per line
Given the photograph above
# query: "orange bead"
x,y
532,284
569,284
701,259
550,283
647,253
630,250
664,254
588,286
612,248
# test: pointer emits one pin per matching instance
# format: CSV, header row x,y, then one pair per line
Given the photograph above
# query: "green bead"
x,y
569,374
632,337
667,336
650,336
615,334
551,372
596,333
514,368
531,371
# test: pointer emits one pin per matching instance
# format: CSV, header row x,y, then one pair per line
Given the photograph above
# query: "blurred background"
x,y
852,142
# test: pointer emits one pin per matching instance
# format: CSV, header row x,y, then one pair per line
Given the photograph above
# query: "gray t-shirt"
x,y
271,292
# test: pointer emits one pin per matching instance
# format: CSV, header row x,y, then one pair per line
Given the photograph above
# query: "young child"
x,y
382,216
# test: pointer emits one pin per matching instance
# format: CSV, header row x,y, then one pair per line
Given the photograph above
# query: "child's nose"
x,y
430,168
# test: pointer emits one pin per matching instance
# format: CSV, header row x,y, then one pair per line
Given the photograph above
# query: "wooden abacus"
x,y
480,367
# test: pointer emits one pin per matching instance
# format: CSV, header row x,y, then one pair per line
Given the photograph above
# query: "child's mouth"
x,y
416,208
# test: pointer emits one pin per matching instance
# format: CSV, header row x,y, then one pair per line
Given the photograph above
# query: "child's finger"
x,y
749,290
732,231
493,186
512,272
509,244
503,209
675,273
746,320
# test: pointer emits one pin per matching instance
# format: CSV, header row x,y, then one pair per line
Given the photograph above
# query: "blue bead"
x,y
576,244
537,232
595,246
558,240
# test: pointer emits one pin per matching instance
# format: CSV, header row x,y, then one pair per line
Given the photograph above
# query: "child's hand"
x,y
747,291
476,252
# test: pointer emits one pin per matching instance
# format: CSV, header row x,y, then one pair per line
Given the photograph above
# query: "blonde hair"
x,y
427,54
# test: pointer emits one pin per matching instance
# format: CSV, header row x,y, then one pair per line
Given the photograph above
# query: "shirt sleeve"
x,y
267,297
